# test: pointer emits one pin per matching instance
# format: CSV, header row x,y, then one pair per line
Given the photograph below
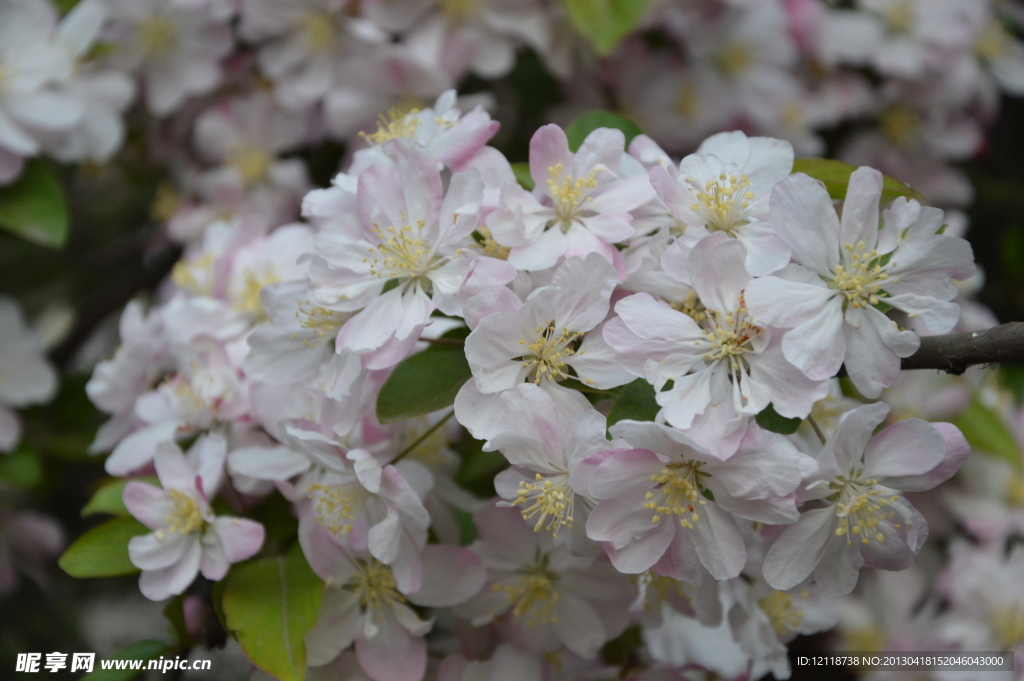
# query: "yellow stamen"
x,y
398,123
158,36
546,355
678,493
784,618
552,497
862,276
532,594
186,517
568,193
722,202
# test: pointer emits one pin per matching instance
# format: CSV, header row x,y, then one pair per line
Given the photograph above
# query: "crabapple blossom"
x,y
847,269
865,520
579,205
187,537
26,377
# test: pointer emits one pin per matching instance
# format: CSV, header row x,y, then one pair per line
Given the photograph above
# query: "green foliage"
x,y
605,22
589,121
21,468
478,467
769,419
424,382
636,402
836,176
270,605
175,615
107,498
103,550
140,650
34,207
987,433
523,177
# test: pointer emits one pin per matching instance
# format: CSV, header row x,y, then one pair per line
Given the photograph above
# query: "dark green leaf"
x,y
423,383
21,468
988,433
636,402
107,498
34,208
836,177
270,605
589,121
140,650
605,22
103,550
523,177
769,419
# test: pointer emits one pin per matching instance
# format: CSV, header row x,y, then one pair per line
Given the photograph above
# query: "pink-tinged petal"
x,y
407,567
149,504
380,200
892,553
375,323
817,347
451,575
336,626
602,147
368,470
718,542
488,274
398,492
548,148
937,315
157,585
956,452
675,195
241,538
904,449
541,253
771,511
493,301
860,208
323,553
10,428
136,450
792,394
598,364
391,654
214,564
839,569
766,253
421,181
854,431
800,548
584,289
651,319
150,552
624,469
482,414
268,463
626,523
874,345
578,626
504,531
172,468
610,227
687,399
785,303
769,162
385,537
803,216
718,272
681,561
765,465
207,455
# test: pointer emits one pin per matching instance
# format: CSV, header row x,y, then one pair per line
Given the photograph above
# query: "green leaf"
x,y
107,498
140,650
836,176
589,121
523,177
636,402
65,6
988,433
174,612
769,419
21,468
423,383
270,605
605,22
34,208
103,550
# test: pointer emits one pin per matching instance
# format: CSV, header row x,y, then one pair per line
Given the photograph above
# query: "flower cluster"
x,y
706,293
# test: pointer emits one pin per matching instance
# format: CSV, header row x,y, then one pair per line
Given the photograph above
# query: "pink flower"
x,y
653,512
579,205
187,537
865,521
26,377
847,269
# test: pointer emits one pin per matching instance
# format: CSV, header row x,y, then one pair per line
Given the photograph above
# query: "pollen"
x,y
374,586
551,498
691,307
729,336
186,517
334,508
568,193
899,16
735,59
533,594
546,355
722,202
861,508
194,276
653,588
247,298
677,493
157,36
320,32
491,247
785,619
900,125
250,162
401,252
324,323
1007,625
397,123
862,276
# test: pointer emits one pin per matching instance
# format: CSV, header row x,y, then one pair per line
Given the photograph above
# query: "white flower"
x,y
847,268
26,377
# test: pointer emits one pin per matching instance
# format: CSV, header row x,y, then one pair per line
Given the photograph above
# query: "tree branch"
x,y
955,352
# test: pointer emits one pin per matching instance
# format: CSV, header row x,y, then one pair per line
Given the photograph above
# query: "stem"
x,y
814,424
954,352
421,438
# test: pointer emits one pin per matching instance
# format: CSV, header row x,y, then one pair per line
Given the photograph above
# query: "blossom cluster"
x,y
720,287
